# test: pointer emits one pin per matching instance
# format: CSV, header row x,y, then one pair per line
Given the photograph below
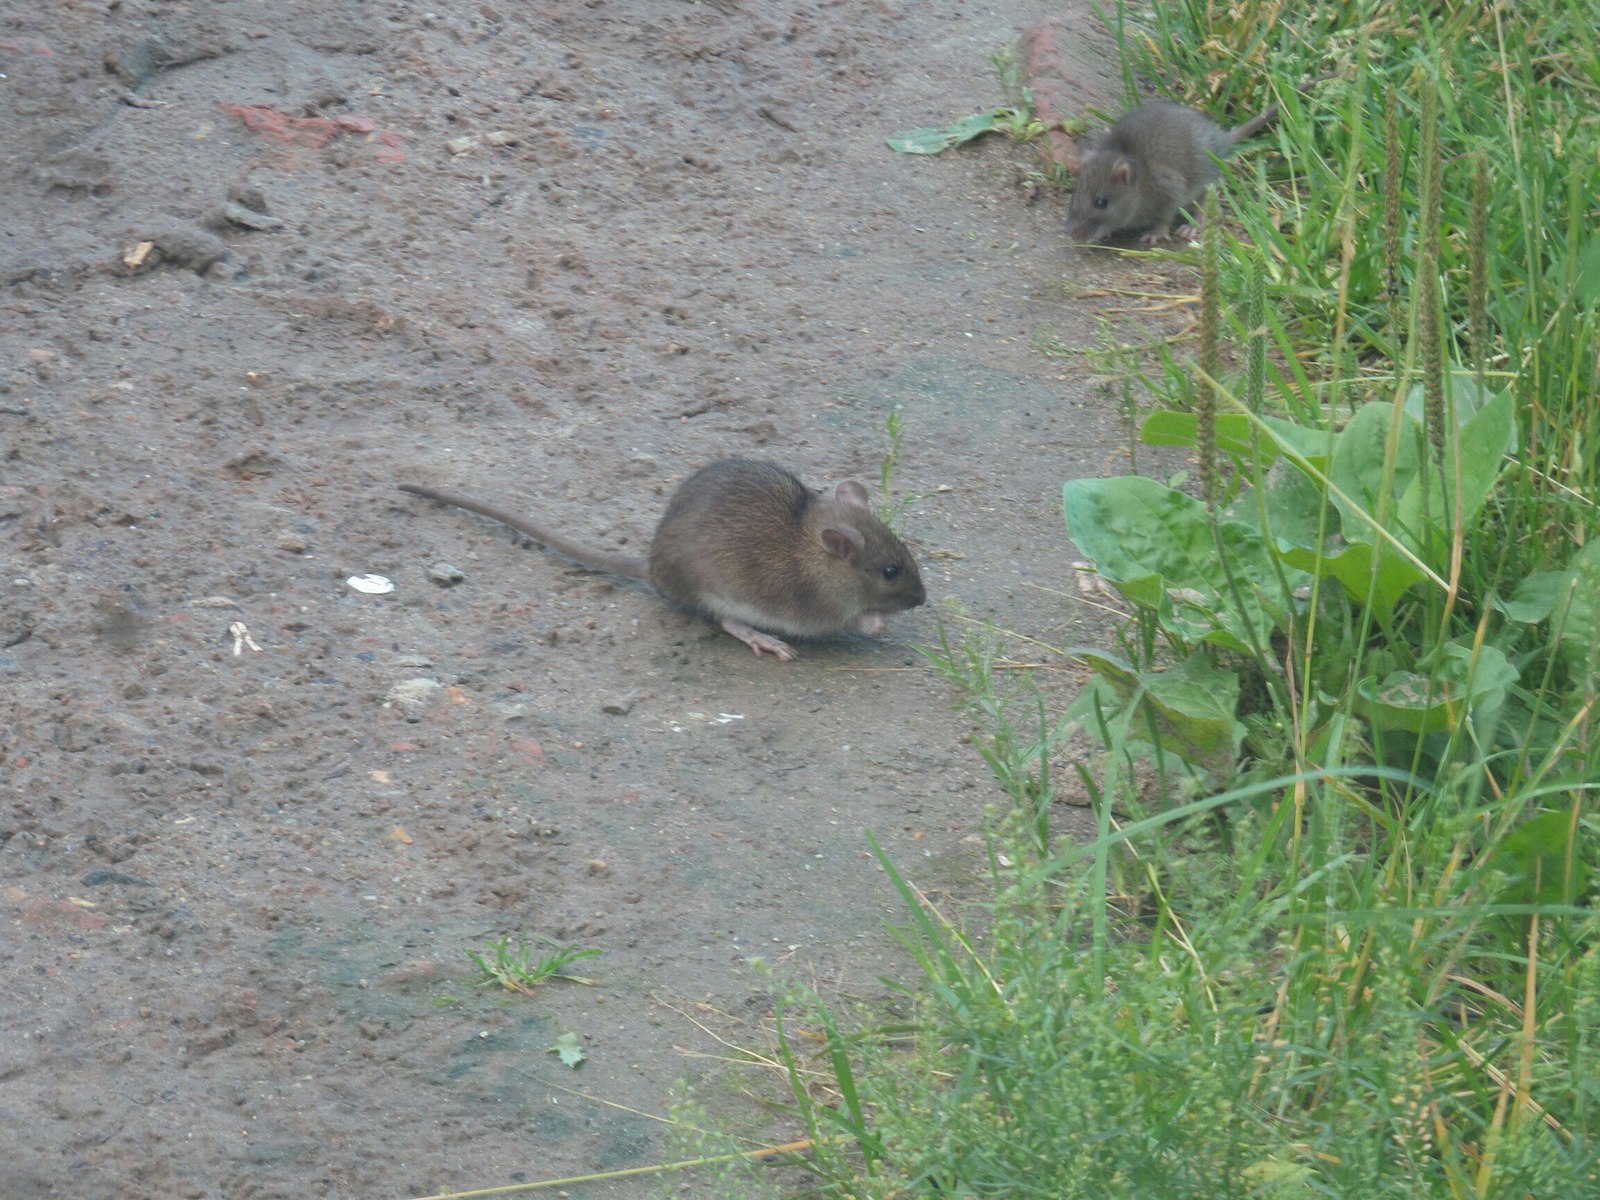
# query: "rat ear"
x,y
841,541
1122,171
852,493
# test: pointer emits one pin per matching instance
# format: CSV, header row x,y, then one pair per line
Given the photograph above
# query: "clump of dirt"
x,y
261,263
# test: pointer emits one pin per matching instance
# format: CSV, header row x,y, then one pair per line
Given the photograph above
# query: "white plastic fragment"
x,y
371,585
242,638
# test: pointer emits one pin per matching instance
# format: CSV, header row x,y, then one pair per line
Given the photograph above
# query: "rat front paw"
x,y
761,643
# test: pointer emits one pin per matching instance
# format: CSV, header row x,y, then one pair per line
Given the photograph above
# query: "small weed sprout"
x,y
1018,120
521,968
889,511
1007,64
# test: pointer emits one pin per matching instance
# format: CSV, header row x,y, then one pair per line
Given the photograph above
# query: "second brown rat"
x,y
1152,162
749,546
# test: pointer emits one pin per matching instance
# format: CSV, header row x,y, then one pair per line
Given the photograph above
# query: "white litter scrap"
x,y
242,638
371,585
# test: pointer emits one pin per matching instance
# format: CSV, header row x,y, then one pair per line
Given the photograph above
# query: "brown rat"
x,y
749,546
1152,162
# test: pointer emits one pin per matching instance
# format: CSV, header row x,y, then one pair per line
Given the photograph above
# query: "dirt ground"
x,y
258,264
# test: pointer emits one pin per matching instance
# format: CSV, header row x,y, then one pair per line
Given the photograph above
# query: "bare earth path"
x,y
559,255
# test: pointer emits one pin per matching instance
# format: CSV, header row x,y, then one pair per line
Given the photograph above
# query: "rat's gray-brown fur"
x,y
1152,162
746,544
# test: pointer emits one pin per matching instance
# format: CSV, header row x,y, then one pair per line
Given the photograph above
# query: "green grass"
x,y
1334,935
521,967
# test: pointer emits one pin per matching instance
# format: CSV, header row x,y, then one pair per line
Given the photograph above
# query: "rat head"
x,y
871,572
1105,199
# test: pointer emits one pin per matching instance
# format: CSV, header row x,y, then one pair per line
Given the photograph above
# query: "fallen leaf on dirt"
x,y
935,141
568,1048
379,776
457,696
400,835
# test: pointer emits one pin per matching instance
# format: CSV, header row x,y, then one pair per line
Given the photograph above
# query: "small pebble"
x,y
237,214
415,693
101,878
248,196
445,575
294,543
185,245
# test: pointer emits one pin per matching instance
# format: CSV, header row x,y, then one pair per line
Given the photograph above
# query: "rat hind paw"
x,y
761,643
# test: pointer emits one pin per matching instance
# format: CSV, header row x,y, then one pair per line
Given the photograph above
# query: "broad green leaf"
x,y
1313,445
1485,676
1155,545
1466,397
1135,529
1197,700
1454,688
1353,566
1588,282
1570,601
1170,428
1167,427
1580,623
935,141
1357,468
1537,597
1543,862
1292,504
1192,705
1486,437
1405,700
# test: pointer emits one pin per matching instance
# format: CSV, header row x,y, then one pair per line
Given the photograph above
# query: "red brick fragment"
x,y
1041,65
316,132
61,914
28,45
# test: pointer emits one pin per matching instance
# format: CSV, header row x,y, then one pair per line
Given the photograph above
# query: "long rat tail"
x,y
1270,114
632,566
1254,125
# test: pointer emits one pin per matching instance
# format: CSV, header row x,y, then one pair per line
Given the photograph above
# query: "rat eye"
x,y
1101,201
891,572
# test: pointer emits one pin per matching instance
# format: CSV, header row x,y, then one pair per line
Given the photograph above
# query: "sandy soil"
x,y
558,255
